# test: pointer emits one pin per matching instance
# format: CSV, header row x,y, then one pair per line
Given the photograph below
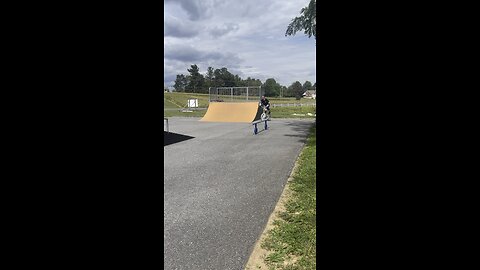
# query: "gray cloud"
x,y
196,9
180,57
171,69
224,29
169,79
247,37
192,8
184,53
174,27
189,54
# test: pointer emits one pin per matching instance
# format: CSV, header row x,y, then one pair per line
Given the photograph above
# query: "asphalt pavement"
x,y
221,184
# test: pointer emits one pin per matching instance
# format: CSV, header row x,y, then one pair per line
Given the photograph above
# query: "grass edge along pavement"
x,y
289,239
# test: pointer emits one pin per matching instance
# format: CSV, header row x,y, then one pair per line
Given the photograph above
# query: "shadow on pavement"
x,y
302,138
170,138
303,127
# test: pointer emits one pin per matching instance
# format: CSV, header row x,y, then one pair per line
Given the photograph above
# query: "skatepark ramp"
x,y
241,112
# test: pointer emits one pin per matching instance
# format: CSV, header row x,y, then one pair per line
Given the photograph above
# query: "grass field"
x,y
178,113
179,100
292,242
291,100
167,104
289,112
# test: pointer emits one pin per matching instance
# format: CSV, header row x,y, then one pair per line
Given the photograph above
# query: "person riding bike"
x,y
266,103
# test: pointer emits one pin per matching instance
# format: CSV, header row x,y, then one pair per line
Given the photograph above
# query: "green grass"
x,y
287,112
291,100
169,104
178,113
294,234
179,100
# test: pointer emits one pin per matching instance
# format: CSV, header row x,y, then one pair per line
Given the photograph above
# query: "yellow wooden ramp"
x,y
241,112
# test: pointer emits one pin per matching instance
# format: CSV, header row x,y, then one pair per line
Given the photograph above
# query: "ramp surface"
x,y
239,112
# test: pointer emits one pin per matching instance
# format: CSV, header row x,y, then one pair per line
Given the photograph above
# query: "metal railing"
x,y
273,105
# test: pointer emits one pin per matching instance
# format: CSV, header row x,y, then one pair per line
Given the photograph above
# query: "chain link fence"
x,y
234,94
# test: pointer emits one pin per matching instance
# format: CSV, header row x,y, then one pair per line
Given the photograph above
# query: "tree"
x,y
307,86
289,91
209,78
307,21
238,81
195,80
228,78
218,78
297,90
271,87
283,91
180,83
223,78
248,82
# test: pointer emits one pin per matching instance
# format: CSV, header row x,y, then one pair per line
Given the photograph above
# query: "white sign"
x,y
192,103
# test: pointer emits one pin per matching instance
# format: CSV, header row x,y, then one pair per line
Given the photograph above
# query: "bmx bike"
x,y
266,114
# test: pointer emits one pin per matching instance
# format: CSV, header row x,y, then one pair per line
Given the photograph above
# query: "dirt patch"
x,y
257,258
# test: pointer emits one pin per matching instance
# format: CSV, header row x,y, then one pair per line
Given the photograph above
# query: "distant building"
x,y
310,94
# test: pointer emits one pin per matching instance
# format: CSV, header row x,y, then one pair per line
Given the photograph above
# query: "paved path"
x,y
221,186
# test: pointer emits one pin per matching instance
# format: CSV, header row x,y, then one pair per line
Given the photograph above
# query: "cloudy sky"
x,y
245,36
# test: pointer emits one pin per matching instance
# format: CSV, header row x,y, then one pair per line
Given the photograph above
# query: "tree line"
x,y
196,82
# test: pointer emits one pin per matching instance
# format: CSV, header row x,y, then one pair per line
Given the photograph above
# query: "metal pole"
x,y
247,93
231,92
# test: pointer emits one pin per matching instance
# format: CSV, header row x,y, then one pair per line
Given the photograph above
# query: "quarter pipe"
x,y
241,112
